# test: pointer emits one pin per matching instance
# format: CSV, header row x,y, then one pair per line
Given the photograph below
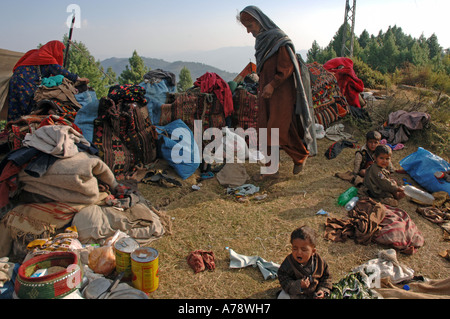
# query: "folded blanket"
x,y
57,140
72,180
431,289
39,220
100,222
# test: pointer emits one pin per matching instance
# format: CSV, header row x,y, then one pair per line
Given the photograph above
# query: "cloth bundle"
x,y
199,260
371,221
128,93
72,180
124,137
267,268
95,223
386,265
213,83
329,103
63,93
349,83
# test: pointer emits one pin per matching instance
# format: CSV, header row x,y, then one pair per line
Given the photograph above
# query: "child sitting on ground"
x,y
304,274
364,157
377,180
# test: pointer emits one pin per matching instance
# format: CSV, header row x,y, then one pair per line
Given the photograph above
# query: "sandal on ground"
x,y
207,175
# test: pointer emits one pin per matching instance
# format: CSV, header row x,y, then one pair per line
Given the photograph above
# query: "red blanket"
x,y
211,82
349,83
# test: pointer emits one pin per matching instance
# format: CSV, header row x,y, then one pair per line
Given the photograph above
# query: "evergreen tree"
x,y
134,73
185,81
336,42
364,39
313,53
327,54
111,76
434,47
389,53
420,52
81,62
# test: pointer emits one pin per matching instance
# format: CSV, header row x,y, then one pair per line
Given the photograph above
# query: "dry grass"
x,y
209,219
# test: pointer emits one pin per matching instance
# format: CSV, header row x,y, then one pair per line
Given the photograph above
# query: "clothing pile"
x,y
123,132
370,221
56,95
399,125
157,84
56,179
210,100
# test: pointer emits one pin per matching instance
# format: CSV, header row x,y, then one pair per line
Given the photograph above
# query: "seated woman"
x,y
29,70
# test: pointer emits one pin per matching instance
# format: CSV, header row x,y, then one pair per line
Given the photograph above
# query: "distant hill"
x,y
227,61
197,69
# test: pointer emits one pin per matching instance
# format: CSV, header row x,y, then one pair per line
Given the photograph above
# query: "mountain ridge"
x,y
227,62
197,69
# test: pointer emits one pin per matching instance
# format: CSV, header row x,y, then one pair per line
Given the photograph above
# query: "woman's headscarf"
x,y
270,39
50,53
267,43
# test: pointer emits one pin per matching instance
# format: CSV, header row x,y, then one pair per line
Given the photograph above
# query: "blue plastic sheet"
x,y
156,95
179,148
87,114
421,166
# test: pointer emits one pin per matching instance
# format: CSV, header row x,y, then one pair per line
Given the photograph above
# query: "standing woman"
x,y
27,74
282,99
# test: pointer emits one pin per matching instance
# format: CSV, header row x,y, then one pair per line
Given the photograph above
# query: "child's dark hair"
x,y
373,135
382,149
304,233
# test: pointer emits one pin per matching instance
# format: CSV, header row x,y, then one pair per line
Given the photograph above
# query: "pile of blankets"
x,y
371,221
56,180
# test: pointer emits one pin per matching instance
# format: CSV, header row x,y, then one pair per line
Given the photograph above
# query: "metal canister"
x,y
144,267
123,249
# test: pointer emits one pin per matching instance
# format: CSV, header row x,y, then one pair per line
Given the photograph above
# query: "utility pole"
x,y
348,19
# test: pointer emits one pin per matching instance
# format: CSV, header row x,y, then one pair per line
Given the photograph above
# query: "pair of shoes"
x,y
263,177
160,177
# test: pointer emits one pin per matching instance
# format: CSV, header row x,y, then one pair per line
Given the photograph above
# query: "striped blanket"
x,y
374,222
329,103
39,220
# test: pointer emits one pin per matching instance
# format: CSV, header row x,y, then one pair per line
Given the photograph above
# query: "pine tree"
x,y
134,73
420,52
389,53
82,63
185,81
313,53
364,39
434,47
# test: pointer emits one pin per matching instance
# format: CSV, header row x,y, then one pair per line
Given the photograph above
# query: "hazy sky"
x,y
161,28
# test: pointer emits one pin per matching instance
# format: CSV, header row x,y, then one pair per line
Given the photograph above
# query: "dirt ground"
x,y
209,219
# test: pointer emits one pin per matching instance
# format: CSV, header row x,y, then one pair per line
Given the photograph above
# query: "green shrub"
x,y
371,78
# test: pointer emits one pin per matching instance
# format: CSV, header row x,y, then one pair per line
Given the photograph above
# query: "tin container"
x,y
144,267
123,249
